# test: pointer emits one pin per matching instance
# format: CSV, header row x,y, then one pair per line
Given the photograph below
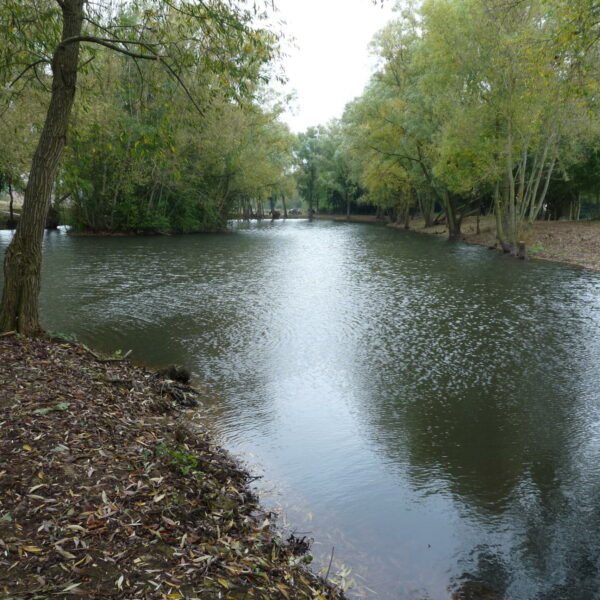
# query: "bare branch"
x,y
153,55
183,86
113,45
396,155
87,62
43,84
30,66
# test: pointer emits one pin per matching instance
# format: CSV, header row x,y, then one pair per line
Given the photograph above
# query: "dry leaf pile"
x,y
105,493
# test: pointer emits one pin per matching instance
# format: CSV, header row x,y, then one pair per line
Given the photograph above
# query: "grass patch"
x,y
536,248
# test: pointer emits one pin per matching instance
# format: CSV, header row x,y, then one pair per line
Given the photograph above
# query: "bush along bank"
x,y
107,492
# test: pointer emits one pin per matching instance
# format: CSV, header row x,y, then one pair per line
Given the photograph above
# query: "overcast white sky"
x,y
331,63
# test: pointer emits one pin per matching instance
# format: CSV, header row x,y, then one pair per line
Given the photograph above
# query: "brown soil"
x,y
107,492
575,243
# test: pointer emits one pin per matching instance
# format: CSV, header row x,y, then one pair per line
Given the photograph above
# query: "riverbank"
x,y
108,491
352,219
576,243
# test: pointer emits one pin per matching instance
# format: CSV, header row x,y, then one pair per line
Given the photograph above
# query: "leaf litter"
x,y
108,491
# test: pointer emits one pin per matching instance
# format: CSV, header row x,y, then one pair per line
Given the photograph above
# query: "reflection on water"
x,y
431,410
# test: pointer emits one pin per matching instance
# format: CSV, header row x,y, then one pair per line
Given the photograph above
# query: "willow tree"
x,y
337,175
394,126
142,159
307,158
47,35
507,93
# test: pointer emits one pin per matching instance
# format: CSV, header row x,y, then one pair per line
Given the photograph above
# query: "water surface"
x,y
431,410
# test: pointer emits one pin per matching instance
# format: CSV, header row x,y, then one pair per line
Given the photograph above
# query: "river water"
x,y
431,410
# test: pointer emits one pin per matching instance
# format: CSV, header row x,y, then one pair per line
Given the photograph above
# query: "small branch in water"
x,y
252,478
330,561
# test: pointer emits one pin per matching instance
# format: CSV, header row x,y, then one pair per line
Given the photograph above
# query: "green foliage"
x,y
180,459
170,131
167,168
307,157
473,100
536,248
478,99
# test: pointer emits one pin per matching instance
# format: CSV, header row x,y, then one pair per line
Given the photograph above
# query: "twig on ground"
x,y
108,360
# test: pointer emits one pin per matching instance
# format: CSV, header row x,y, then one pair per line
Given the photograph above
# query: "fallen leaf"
x,y
63,552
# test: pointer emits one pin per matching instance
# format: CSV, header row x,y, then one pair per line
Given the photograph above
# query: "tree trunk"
x,y
511,225
23,260
500,199
285,215
426,206
11,213
453,219
347,205
311,212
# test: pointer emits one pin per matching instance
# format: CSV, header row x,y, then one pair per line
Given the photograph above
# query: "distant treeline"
x,y
476,107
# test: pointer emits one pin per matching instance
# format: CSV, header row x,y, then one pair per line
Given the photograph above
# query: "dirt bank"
x,y
575,243
107,492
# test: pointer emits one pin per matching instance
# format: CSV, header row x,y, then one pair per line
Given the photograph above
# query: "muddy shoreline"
x,y
108,491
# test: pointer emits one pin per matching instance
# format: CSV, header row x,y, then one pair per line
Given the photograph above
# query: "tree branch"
x,y
403,156
113,45
30,66
183,86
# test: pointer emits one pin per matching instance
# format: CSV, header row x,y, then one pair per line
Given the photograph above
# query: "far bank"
x,y
575,243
